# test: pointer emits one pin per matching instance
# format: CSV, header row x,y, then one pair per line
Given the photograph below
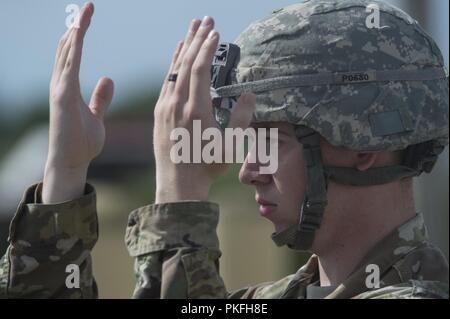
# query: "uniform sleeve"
x,y
49,248
177,253
176,249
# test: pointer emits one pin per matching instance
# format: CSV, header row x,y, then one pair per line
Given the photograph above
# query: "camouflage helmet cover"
x,y
327,36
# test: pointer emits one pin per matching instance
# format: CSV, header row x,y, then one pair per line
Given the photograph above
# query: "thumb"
x,y
242,114
102,97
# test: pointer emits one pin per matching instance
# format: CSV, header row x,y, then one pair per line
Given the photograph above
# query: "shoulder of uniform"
x,y
413,289
273,290
266,290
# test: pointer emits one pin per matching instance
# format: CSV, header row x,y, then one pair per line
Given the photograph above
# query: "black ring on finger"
x,y
172,77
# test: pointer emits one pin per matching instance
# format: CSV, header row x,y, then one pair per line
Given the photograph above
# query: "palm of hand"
x,y
78,133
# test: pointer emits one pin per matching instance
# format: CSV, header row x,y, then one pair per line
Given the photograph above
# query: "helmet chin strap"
x,y
301,236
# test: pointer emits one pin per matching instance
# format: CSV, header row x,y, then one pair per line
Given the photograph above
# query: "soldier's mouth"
x,y
265,207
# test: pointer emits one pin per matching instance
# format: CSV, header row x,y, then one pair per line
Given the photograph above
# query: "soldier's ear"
x,y
364,161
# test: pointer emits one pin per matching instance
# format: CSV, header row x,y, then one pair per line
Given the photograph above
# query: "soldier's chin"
x,y
279,227
267,211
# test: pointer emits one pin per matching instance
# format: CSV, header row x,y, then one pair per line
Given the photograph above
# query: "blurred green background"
x,y
132,42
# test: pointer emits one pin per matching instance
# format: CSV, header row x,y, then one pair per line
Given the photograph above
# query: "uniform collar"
x,y
395,246
384,255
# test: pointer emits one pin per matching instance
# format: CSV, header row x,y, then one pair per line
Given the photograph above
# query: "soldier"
x,y
360,112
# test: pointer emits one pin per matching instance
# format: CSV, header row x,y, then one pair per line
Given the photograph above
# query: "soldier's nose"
x,y
250,175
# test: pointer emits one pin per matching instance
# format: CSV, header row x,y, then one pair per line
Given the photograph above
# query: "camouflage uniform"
x,y
298,61
177,256
44,240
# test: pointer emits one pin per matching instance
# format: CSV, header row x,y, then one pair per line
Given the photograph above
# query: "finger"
x,y
102,97
72,66
201,70
182,84
61,45
242,114
60,64
193,27
172,65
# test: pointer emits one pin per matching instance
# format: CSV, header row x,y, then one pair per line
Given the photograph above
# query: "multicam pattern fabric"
x,y
177,256
409,265
44,240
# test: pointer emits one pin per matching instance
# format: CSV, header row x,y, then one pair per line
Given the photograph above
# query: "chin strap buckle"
x,y
311,215
315,200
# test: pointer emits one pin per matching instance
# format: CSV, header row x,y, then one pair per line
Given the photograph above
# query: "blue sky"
x,y
129,41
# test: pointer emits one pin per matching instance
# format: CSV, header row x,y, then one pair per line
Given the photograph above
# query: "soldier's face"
x,y
279,195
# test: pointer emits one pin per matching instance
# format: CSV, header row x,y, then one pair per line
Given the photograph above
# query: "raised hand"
x,y
77,132
183,101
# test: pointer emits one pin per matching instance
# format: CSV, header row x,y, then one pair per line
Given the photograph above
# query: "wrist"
x,y
63,184
170,195
180,188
